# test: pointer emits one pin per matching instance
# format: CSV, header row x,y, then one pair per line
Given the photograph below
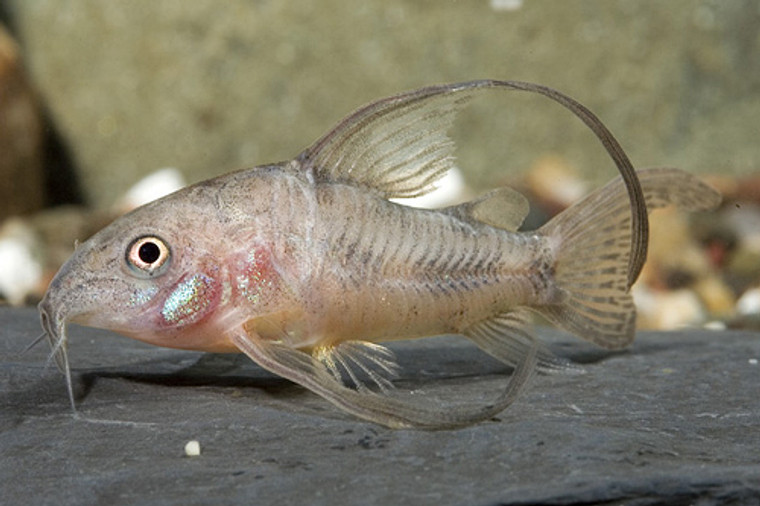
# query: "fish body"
x,y
307,266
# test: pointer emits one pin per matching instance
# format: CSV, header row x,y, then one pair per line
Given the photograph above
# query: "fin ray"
x,y
376,361
397,146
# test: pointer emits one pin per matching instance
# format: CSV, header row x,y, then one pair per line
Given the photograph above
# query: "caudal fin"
x,y
592,245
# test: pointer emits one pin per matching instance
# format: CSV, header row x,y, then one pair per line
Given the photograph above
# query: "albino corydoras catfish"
x,y
306,266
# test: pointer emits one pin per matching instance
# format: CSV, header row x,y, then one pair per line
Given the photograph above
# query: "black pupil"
x,y
149,252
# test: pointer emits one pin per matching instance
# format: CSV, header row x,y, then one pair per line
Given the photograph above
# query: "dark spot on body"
x,y
366,257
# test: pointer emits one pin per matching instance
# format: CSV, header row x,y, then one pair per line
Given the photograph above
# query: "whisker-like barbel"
x,y
55,332
34,343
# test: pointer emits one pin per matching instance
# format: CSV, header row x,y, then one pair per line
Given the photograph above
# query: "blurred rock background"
x,y
95,96
210,86
20,135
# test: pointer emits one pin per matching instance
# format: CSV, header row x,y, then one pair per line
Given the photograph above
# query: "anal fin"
x,y
509,338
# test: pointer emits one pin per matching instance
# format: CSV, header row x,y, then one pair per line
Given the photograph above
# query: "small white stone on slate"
x,y
192,448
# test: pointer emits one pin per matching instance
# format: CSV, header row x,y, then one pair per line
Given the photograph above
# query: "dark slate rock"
x,y
674,420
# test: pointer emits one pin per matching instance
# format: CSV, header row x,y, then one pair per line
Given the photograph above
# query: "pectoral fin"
x,y
381,408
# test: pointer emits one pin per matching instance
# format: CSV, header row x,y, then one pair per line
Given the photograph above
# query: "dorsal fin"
x,y
396,146
501,208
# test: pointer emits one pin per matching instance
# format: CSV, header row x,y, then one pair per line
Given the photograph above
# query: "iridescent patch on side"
x,y
142,296
255,278
189,300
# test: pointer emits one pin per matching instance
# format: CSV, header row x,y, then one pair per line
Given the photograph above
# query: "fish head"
x,y
154,274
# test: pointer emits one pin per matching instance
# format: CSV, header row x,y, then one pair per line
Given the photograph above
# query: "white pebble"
x,y
448,190
716,325
506,5
752,361
668,310
20,271
192,448
151,187
749,302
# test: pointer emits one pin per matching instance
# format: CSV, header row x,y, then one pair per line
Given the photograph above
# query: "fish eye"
x,y
148,255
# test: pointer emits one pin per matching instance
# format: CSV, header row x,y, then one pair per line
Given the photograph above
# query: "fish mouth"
x,y
54,328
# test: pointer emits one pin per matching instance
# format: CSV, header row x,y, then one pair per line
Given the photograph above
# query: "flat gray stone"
x,y
674,420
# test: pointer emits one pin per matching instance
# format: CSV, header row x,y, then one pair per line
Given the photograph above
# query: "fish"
x,y
309,268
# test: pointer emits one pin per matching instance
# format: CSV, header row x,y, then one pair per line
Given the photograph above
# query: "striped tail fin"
x,y
592,244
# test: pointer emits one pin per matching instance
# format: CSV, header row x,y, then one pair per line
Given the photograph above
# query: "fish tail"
x,y
591,242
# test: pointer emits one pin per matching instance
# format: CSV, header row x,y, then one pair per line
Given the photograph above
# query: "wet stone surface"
x,y
674,420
